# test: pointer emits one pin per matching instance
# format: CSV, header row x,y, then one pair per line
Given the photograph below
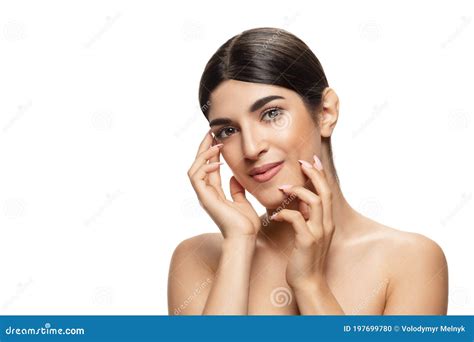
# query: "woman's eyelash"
x,y
218,134
265,112
269,110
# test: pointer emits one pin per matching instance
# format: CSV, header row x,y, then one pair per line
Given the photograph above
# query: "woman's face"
x,y
261,124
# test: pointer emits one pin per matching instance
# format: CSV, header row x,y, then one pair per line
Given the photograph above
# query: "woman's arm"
x,y
230,290
194,289
316,298
189,279
306,270
239,224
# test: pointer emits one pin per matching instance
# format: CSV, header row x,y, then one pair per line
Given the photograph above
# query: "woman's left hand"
x,y
313,231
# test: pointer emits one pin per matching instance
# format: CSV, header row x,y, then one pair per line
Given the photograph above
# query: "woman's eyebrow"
x,y
256,105
263,101
220,121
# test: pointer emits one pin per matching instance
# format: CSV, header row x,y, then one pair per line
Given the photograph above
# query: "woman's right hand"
x,y
235,218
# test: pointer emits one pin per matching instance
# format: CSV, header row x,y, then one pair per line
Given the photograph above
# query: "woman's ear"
x,y
329,112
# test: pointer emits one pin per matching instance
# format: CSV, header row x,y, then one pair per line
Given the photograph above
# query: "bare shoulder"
x,y
203,248
406,246
416,269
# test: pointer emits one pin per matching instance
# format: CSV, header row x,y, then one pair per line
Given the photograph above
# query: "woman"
x,y
272,114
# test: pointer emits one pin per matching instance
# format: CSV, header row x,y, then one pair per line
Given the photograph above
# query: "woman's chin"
x,y
273,199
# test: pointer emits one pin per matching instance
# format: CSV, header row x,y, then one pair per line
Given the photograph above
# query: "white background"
x,y
99,123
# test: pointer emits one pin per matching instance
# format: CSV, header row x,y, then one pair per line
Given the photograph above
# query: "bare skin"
x,y
318,256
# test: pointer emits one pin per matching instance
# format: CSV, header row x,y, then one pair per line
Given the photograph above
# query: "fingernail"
x,y
284,186
317,163
218,145
305,164
273,215
216,163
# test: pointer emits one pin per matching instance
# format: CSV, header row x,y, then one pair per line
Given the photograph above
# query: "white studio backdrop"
x,y
99,123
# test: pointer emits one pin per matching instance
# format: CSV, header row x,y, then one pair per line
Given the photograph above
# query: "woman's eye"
x,y
225,132
272,113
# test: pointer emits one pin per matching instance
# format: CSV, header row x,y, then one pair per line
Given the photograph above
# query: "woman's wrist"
x,y
309,285
239,246
240,240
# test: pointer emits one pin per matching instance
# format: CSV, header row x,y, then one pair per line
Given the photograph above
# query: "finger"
x,y
296,219
315,222
237,191
205,143
303,237
304,209
203,157
199,183
307,196
214,178
319,181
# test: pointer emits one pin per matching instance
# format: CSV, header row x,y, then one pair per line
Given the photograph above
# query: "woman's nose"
x,y
253,144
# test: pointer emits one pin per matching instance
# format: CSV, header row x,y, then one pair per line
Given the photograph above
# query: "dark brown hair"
x,y
268,56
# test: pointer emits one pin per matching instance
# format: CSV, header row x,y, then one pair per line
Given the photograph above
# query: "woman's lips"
x,y
267,175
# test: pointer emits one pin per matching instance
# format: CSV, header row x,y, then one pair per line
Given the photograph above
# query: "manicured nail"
x,y
317,163
216,163
305,164
217,146
284,186
273,215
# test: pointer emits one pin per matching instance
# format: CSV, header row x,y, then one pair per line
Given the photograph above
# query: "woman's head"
x,y
267,100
